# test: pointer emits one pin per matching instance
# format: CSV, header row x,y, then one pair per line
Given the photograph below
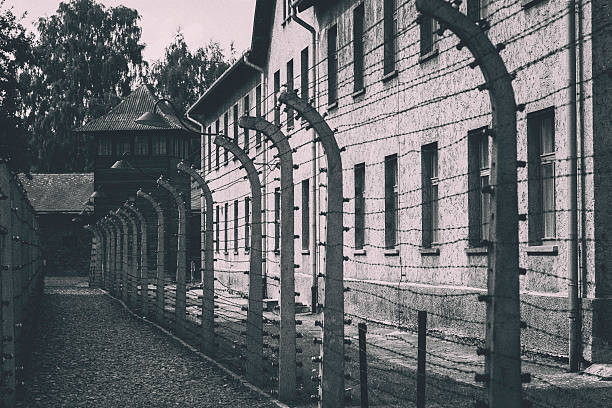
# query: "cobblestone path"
x,y
90,352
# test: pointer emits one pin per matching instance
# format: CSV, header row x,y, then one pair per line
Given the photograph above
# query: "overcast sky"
x,y
200,20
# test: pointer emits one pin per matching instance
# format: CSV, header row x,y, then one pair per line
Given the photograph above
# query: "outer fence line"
x,y
143,277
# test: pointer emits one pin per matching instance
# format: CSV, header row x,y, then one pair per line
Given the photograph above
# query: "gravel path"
x,y
90,352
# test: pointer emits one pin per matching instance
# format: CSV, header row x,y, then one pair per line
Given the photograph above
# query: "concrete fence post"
x,y
255,307
207,263
143,277
134,275
117,259
180,302
125,255
332,357
287,356
503,354
161,264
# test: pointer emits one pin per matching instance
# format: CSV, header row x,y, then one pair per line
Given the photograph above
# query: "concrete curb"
x,y
202,355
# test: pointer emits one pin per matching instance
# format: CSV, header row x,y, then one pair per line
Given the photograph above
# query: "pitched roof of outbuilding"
x,y
123,116
59,192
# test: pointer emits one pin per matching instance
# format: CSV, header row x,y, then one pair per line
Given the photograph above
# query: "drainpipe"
x,y
315,164
264,193
574,302
583,220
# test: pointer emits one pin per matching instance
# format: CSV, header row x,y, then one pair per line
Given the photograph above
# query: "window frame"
x,y
304,74
277,202
391,201
332,65
209,146
247,224
236,211
428,27
290,85
226,229
430,195
358,47
258,113
390,33
217,233
235,113
305,234
479,202
277,119
226,133
217,147
246,103
359,174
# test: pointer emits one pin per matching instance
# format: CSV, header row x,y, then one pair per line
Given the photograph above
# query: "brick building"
x,y
58,199
405,103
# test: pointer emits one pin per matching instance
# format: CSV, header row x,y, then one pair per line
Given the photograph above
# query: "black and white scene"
x,y
306,203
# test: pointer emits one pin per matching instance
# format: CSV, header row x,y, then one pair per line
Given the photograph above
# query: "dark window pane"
x,y
332,65
358,15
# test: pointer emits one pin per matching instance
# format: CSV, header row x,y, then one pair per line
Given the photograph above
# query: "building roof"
x,y
59,192
123,116
220,89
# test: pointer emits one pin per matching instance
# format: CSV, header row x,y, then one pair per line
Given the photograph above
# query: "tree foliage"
x,y
184,75
15,55
87,57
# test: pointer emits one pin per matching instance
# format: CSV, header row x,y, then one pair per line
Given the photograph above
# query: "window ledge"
x,y
236,252
289,128
331,106
391,252
389,75
542,250
358,92
430,251
225,253
359,252
247,251
305,251
477,251
529,3
430,55
276,252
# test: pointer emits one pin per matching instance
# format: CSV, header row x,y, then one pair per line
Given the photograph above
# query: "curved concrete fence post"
x,y
92,259
125,254
161,248
180,302
134,275
332,357
116,261
255,308
97,272
287,356
207,263
143,277
503,359
110,235
106,251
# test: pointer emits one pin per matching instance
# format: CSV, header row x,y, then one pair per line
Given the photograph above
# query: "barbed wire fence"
x,y
353,350
21,282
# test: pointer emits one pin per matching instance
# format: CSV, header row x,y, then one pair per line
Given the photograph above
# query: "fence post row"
x,y
502,361
287,356
255,308
181,256
143,277
161,264
332,357
115,253
207,264
20,282
104,223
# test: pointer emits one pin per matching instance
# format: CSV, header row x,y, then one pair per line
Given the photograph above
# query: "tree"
x,y
184,75
15,54
87,58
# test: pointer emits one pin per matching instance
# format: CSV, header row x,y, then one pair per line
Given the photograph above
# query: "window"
x,y
276,92
477,9
479,170
277,199
226,134
209,145
429,166
290,89
105,146
305,215
391,201
428,27
217,230
246,108
359,205
225,230
247,223
304,74
124,145
159,145
358,15
235,226
141,145
217,148
258,113
235,127
332,65
541,174
390,24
